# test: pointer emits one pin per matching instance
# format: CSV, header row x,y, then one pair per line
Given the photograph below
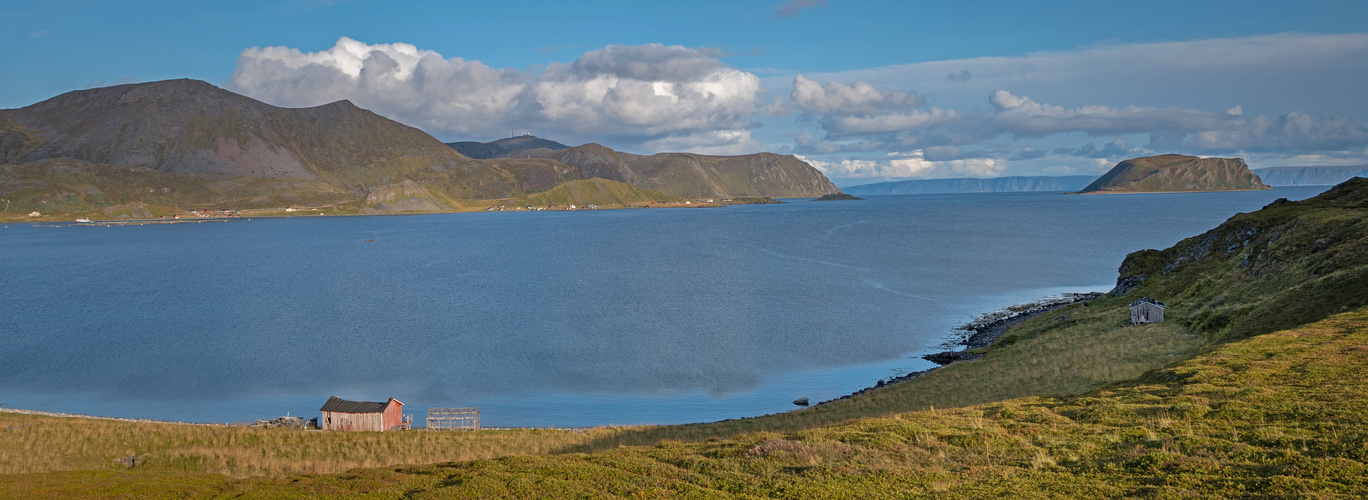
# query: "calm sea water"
x,y
545,318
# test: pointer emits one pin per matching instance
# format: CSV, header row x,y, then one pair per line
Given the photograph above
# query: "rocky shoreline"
x,y
980,333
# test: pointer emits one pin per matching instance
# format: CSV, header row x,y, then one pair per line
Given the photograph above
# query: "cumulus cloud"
x,y
653,88
644,93
417,87
859,98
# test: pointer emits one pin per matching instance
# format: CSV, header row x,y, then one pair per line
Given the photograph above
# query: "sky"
x,y
866,91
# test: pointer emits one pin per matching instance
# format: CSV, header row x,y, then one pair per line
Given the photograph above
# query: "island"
x,y
1176,173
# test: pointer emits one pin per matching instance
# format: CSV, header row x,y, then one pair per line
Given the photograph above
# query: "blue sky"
x,y
866,91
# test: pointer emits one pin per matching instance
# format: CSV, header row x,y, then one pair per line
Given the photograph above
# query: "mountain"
x,y
193,127
972,185
1310,176
1173,172
695,175
503,147
162,147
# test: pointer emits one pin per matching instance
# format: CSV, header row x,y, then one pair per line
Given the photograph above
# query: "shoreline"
x,y
986,329
68,219
978,333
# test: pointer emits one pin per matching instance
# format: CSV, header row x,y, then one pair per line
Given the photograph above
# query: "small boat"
x,y
82,221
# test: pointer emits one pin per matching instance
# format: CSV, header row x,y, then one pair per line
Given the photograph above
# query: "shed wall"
x,y
337,421
393,415
1146,313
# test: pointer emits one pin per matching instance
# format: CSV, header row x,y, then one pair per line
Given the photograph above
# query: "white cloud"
x,y
859,98
652,88
637,94
913,165
1023,116
416,87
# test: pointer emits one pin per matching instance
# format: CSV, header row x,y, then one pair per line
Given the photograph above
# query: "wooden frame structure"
x,y
441,419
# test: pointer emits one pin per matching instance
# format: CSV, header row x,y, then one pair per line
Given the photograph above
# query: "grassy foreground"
x,y
1282,414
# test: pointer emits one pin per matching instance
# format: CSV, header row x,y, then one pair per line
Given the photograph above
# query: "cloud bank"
x,y
639,94
1268,97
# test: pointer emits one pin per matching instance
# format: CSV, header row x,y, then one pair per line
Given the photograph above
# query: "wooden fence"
x,y
441,419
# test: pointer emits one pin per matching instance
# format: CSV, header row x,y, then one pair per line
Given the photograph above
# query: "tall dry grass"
x,y
32,443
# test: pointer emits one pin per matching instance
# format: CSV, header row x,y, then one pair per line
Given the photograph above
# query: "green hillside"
x,y
1172,172
694,175
76,188
598,192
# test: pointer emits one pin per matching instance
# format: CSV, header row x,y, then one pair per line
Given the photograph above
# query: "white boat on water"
x,y
82,221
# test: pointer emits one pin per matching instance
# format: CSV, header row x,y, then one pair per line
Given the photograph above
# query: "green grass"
x,y
596,191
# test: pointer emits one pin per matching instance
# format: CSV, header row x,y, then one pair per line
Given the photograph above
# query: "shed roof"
x,y
340,405
1147,300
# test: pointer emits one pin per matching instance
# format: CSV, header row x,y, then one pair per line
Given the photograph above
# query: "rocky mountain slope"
x,y
1285,265
166,146
693,175
1309,176
193,127
1173,172
503,147
972,185
163,147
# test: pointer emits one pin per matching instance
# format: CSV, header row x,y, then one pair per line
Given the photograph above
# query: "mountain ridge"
x,y
214,143
692,174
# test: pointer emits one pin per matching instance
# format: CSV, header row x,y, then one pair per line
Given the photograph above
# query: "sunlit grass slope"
x,y
596,191
1281,414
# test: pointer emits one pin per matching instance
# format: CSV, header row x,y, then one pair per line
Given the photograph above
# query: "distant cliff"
x,y
503,147
1173,172
972,185
1310,176
689,174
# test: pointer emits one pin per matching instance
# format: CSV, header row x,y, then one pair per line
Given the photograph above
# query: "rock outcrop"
x,y
1173,172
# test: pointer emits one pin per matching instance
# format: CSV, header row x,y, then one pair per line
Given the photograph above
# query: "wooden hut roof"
x,y
1147,300
340,405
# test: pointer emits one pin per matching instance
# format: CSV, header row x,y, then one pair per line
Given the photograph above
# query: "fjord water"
x,y
546,318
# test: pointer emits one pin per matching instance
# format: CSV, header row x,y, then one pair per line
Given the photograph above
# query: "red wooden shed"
x,y
342,415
